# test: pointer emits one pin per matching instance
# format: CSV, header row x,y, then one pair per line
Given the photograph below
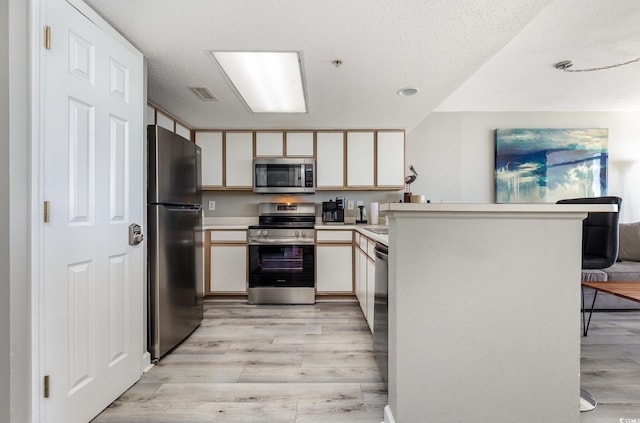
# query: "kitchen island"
x,y
484,322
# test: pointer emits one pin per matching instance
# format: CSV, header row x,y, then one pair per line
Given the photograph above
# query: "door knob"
x,y
135,234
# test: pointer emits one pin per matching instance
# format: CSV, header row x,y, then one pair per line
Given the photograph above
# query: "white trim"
x,y
146,362
91,14
36,20
388,417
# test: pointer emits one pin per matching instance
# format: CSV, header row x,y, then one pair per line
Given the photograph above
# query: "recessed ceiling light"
x,y
268,82
408,91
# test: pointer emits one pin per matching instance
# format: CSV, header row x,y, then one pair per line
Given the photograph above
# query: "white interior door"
x,y
93,139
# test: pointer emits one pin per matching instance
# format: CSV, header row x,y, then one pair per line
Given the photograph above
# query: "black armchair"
x,y
599,233
599,251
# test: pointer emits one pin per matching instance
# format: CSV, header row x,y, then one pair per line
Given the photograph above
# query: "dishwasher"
x,y
381,311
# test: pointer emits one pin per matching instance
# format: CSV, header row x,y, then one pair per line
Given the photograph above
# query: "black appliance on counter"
x,y
333,211
282,254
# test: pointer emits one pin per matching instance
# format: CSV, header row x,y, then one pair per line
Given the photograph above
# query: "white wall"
x,y
245,203
16,199
454,152
4,216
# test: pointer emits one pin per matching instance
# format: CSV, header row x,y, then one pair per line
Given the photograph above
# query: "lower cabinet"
x,y
365,276
228,262
334,262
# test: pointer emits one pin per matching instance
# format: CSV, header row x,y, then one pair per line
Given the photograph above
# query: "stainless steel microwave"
x,y
284,175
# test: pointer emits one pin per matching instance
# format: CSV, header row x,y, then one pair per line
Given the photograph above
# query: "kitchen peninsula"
x,y
484,304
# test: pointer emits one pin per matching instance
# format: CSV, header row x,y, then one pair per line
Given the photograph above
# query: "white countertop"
x,y
243,223
239,223
497,208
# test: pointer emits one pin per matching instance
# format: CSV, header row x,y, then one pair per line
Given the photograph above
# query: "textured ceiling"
x,y
591,33
385,45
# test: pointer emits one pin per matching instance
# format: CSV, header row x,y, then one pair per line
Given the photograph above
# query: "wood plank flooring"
x,y
245,363
305,364
610,367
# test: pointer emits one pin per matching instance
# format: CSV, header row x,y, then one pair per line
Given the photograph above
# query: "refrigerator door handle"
x,y
135,234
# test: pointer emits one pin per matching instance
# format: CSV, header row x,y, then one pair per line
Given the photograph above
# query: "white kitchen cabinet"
x,y
334,262
165,121
360,159
390,159
361,283
211,158
150,115
228,269
371,289
269,144
228,262
334,269
364,274
239,159
330,160
299,144
183,131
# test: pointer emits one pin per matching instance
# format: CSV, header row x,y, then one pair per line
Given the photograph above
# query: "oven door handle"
x,y
282,241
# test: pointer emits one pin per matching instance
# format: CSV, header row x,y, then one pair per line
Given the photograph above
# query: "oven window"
x,y
281,265
283,259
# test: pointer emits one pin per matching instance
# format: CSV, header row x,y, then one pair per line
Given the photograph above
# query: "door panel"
x,y
92,138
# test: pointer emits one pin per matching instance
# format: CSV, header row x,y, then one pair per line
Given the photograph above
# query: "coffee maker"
x,y
333,211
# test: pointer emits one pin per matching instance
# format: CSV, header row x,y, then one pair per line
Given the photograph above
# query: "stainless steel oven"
x,y
282,254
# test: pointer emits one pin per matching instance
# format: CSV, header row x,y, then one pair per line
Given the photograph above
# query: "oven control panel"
x,y
281,236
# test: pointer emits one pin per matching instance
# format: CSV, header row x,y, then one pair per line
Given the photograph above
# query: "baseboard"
x,y
388,417
146,362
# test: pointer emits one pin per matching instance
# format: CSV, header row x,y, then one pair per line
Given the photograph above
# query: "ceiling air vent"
x,y
204,93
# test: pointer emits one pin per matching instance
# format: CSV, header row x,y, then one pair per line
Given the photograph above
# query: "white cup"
x,y
373,213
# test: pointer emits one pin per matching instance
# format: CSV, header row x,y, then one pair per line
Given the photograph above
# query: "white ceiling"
x,y
503,49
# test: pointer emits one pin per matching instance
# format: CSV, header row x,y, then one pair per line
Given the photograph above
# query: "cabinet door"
x,y
165,121
228,269
361,289
334,269
269,144
183,131
371,288
360,148
330,160
239,159
390,159
211,145
299,144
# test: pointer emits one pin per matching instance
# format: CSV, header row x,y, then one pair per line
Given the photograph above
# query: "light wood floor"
x,y
289,364
610,367
299,364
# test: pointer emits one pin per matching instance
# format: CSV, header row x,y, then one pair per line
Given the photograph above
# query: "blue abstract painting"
x,y
547,165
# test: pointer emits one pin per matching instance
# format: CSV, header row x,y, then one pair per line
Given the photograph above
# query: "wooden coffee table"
x,y
628,290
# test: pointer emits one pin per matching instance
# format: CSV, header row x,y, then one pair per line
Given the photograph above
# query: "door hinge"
x,y
46,212
46,386
47,37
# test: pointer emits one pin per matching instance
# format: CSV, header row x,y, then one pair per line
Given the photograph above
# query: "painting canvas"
x,y
547,165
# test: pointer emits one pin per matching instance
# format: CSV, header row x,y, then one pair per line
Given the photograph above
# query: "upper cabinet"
x,y
330,160
269,143
345,160
390,159
299,144
211,158
360,159
239,159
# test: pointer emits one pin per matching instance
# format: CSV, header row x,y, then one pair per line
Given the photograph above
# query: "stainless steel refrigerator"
x,y
174,214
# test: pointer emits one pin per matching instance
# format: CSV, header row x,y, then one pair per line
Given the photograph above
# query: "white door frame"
x,y
37,21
